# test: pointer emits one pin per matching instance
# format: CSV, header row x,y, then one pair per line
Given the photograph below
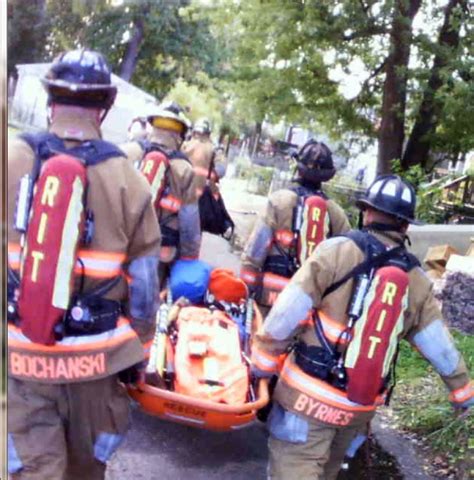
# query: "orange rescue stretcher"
x,y
199,412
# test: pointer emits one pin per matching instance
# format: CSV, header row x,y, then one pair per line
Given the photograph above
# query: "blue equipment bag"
x,y
190,279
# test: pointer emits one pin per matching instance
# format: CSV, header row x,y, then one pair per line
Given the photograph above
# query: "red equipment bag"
x,y
50,251
374,343
314,226
154,167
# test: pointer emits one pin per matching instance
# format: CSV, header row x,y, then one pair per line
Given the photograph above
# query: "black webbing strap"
x,y
364,267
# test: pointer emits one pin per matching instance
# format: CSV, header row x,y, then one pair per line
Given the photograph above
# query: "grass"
x,y
421,406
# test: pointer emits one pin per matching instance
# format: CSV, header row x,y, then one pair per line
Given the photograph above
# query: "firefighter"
x,y
177,209
201,152
292,227
327,389
67,410
137,129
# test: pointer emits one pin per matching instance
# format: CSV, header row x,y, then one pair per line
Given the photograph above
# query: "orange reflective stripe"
x,y
99,264
284,237
320,390
14,251
120,334
462,394
101,255
14,247
170,203
333,330
275,282
264,361
248,276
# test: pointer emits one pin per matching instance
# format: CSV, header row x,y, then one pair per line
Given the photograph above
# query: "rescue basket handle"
x,y
263,398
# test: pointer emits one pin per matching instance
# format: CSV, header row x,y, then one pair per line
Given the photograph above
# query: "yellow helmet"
x,y
170,116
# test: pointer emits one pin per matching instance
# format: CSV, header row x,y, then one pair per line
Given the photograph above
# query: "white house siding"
x,y
28,106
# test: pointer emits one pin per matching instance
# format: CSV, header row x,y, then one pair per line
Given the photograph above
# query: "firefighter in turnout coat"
x,y
67,411
342,353
175,200
295,221
201,152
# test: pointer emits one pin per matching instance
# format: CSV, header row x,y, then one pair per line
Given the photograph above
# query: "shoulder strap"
x,y
148,147
93,152
375,256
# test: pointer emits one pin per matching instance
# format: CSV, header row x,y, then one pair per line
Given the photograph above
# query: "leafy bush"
x,y
421,404
426,197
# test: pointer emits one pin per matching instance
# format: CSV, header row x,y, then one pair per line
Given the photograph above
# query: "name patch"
x,y
52,368
320,411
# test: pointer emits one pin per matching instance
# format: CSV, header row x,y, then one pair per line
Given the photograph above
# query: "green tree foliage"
x,y
321,62
28,27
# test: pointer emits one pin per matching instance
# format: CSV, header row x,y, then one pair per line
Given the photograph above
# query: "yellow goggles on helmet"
x,y
168,124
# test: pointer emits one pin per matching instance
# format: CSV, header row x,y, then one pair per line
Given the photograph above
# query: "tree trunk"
x,y
419,143
391,133
129,61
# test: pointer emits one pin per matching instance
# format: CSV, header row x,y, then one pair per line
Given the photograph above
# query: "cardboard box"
x,y
437,257
434,274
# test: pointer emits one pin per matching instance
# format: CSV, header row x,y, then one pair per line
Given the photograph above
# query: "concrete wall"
x,y
423,237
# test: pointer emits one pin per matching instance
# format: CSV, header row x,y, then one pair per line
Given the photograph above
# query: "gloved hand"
x,y
134,374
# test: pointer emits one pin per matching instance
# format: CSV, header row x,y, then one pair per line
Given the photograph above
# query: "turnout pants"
x,y
66,431
319,458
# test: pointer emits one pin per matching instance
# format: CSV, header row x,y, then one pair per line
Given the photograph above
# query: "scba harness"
x,y
155,167
53,218
309,227
365,367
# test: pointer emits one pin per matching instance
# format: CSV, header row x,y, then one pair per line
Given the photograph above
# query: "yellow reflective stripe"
x,y
157,180
353,350
70,234
393,342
